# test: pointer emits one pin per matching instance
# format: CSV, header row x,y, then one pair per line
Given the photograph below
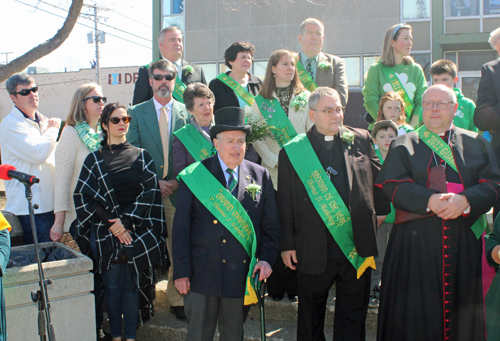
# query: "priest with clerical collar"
x,y
328,206
225,230
442,180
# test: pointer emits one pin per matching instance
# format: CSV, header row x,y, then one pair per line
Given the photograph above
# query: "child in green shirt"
x,y
383,133
444,72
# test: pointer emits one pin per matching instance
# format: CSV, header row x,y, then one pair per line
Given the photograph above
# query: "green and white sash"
x,y
443,150
326,199
277,119
195,143
398,87
304,76
226,209
238,89
179,88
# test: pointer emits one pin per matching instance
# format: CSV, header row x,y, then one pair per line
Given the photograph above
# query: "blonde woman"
x,y
396,71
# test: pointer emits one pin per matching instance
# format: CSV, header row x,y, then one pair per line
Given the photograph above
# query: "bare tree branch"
x,y
20,63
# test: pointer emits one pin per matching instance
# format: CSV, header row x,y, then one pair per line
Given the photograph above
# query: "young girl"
x,y
392,107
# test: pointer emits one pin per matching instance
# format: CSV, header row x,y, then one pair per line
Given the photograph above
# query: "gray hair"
x,y
312,21
320,92
161,35
18,79
444,88
494,37
162,64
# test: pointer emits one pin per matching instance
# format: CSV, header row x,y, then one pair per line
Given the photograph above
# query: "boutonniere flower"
x,y
324,66
189,69
253,189
348,137
299,101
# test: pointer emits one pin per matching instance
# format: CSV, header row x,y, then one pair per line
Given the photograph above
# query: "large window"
x,y
173,13
471,8
415,9
352,69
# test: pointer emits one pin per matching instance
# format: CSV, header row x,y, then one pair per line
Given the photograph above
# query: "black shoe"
x,y
178,311
293,297
276,298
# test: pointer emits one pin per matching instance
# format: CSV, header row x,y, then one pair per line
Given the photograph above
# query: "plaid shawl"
x,y
149,228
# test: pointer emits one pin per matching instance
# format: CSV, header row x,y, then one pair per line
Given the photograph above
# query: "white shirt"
x,y
29,148
158,107
178,66
224,167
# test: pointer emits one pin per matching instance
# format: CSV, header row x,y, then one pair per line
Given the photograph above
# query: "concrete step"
x,y
284,311
164,326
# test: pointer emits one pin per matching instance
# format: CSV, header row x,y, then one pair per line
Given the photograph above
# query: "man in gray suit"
x,y
323,69
152,128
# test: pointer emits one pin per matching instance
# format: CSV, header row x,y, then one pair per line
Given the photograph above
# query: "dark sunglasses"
x,y
116,120
26,92
96,99
168,77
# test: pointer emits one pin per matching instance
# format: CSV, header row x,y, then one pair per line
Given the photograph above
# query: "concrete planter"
x,y
72,303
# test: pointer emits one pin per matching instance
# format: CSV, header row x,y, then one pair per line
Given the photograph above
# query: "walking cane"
x,y
260,298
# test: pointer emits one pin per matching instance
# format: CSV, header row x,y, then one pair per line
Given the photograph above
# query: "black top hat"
x,y
229,119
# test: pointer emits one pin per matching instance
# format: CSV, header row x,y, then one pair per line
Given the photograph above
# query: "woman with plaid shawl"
x,y
120,219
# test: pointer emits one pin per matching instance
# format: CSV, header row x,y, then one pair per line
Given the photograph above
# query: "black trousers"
x,y
282,279
351,305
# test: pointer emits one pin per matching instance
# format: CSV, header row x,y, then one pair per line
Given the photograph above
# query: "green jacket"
x,y
144,132
376,85
465,112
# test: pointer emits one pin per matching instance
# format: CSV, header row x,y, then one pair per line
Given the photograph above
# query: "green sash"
x,y
399,88
436,143
228,210
304,76
277,119
179,88
238,89
325,199
195,143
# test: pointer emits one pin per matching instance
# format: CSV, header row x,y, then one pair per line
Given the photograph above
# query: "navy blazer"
x,y
206,252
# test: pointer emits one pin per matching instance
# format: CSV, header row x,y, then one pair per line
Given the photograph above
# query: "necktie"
x,y
232,181
309,66
163,122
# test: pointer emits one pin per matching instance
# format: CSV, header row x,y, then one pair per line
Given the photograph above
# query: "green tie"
x,y
232,181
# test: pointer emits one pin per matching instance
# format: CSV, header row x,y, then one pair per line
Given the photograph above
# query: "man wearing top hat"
x,y
225,229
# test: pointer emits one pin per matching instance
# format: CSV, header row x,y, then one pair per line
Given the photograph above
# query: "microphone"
x,y
8,172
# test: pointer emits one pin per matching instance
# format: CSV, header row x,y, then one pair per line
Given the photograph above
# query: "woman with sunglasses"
x,y
120,219
80,137
396,71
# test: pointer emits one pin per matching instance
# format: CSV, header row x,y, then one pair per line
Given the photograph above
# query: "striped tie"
x,y
232,181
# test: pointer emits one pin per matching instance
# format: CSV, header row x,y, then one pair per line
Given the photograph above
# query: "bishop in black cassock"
x,y
432,270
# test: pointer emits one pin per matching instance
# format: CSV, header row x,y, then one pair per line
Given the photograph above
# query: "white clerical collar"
x,y
329,138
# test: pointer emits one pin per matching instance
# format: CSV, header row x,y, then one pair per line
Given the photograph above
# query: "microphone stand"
x,y
40,296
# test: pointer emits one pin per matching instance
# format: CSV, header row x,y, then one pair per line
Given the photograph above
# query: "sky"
x,y
128,33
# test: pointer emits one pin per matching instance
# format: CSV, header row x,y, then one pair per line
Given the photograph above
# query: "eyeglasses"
x,y
397,28
26,92
116,120
96,99
330,112
440,105
168,77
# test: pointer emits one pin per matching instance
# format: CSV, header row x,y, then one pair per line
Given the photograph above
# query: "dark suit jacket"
x,y
144,132
487,114
143,90
302,228
225,96
335,77
206,252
